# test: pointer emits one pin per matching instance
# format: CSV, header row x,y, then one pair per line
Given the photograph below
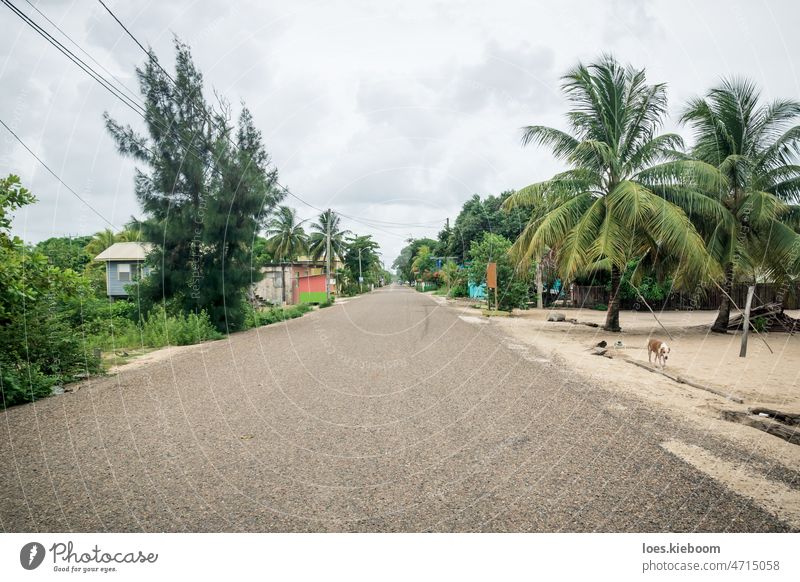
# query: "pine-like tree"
x,y
204,191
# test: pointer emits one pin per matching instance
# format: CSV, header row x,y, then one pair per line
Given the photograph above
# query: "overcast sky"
x,y
389,111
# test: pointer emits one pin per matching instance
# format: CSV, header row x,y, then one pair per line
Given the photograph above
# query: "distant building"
x,y
290,283
124,266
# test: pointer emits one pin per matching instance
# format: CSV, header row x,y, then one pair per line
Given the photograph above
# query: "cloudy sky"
x,y
393,112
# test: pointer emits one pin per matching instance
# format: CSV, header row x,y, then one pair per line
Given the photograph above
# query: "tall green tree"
x,y
328,223
610,206
205,188
477,216
423,265
285,235
754,145
361,256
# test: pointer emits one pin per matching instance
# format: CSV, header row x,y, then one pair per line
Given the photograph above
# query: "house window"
x,y
123,272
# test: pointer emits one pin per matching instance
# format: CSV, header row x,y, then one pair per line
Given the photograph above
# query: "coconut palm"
x,y
101,241
317,241
611,206
286,239
755,148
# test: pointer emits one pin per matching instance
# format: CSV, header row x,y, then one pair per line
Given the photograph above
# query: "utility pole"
x,y
328,256
360,276
746,322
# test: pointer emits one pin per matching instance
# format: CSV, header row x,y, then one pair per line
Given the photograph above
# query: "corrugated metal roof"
x,y
125,251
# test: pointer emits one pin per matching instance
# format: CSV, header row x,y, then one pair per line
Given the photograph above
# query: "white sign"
x,y
361,279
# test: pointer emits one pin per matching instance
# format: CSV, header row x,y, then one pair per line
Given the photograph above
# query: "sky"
x,y
393,112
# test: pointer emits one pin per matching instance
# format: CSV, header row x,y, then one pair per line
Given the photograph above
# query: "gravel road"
x,y
389,412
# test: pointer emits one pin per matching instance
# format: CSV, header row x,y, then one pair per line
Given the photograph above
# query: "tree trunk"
x,y
724,313
612,318
539,286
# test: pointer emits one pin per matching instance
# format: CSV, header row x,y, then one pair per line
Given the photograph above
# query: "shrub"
x,y
276,314
760,324
182,329
459,290
24,383
601,307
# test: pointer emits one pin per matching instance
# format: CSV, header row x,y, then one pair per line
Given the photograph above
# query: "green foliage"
x,y
325,304
66,252
600,307
157,329
651,289
403,263
624,194
278,314
286,239
41,329
369,265
478,216
513,288
760,324
423,265
329,223
204,198
754,146
13,196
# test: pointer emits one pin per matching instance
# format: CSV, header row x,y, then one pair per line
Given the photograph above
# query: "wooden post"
x,y
746,323
539,286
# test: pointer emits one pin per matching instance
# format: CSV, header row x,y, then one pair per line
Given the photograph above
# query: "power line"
x,y
151,56
75,59
46,167
80,48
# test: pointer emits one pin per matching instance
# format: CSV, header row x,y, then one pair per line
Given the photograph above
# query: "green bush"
x,y
24,383
182,329
601,307
760,324
459,290
277,314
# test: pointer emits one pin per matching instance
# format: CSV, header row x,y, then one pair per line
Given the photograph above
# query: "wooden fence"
x,y
590,296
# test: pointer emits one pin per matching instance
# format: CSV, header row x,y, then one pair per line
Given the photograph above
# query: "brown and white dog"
x,y
661,351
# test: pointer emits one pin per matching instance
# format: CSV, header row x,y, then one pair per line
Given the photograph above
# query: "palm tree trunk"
x,y
724,313
612,318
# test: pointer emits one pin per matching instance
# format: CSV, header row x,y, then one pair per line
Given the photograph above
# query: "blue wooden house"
x,y
124,266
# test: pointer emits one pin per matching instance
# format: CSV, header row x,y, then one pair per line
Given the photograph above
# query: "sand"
x,y
762,378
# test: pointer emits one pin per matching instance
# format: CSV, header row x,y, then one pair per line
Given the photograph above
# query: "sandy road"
x,y
386,413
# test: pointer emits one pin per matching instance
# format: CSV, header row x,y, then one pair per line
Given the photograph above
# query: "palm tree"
x,y
755,147
100,242
317,241
286,239
610,207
